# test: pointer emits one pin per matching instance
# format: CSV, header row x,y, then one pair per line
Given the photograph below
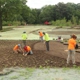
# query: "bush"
x,y
61,23
10,23
69,23
5,23
23,23
16,23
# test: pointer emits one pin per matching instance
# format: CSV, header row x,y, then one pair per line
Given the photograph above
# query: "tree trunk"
x,y
0,20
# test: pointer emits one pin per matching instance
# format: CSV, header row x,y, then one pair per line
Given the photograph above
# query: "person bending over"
x,y
41,35
27,50
17,49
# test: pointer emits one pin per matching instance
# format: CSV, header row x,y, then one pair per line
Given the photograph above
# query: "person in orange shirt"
x,y
41,35
71,49
27,50
17,49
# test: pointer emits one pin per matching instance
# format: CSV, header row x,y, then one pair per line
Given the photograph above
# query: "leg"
x,y
41,38
47,45
24,42
69,55
15,51
30,52
73,56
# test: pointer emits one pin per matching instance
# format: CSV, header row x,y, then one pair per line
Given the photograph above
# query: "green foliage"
x,y
41,67
65,69
16,23
10,23
8,9
61,23
31,19
14,77
23,23
6,29
46,13
79,22
74,21
16,11
68,23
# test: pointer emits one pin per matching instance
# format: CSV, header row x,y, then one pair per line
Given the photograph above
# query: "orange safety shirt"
x,y
27,48
41,34
71,44
16,47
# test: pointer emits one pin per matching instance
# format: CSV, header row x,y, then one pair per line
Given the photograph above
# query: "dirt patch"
x,y
64,32
53,58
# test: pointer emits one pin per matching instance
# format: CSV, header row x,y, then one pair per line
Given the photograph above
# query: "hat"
x,y
19,45
24,32
44,33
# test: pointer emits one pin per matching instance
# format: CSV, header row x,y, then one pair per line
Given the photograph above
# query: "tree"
x,y
25,13
36,13
10,7
46,13
31,18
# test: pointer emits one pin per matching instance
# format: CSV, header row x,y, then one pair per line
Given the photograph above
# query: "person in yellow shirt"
x,y
17,49
41,35
24,37
71,49
27,50
47,39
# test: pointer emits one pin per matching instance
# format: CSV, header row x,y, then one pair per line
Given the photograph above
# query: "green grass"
x,y
6,29
14,77
65,69
27,73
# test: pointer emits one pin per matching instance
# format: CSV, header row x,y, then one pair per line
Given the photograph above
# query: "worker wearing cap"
x,y
24,37
27,50
47,39
17,48
41,35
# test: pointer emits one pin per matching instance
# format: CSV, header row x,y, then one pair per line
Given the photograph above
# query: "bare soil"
x,y
41,58
64,32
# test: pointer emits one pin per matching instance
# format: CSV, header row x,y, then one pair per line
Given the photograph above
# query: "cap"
x,y
19,45
44,33
24,32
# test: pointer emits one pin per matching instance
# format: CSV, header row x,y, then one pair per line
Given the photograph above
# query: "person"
x,y
27,50
24,37
71,49
59,38
47,39
41,35
17,49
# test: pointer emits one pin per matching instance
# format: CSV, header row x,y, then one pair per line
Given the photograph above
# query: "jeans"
x,y
30,52
24,42
47,45
71,56
41,38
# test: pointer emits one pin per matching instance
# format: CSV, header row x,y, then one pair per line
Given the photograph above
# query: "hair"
x,y
74,36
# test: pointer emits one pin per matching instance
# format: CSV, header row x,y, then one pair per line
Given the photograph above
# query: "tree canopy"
x,y
8,8
17,10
